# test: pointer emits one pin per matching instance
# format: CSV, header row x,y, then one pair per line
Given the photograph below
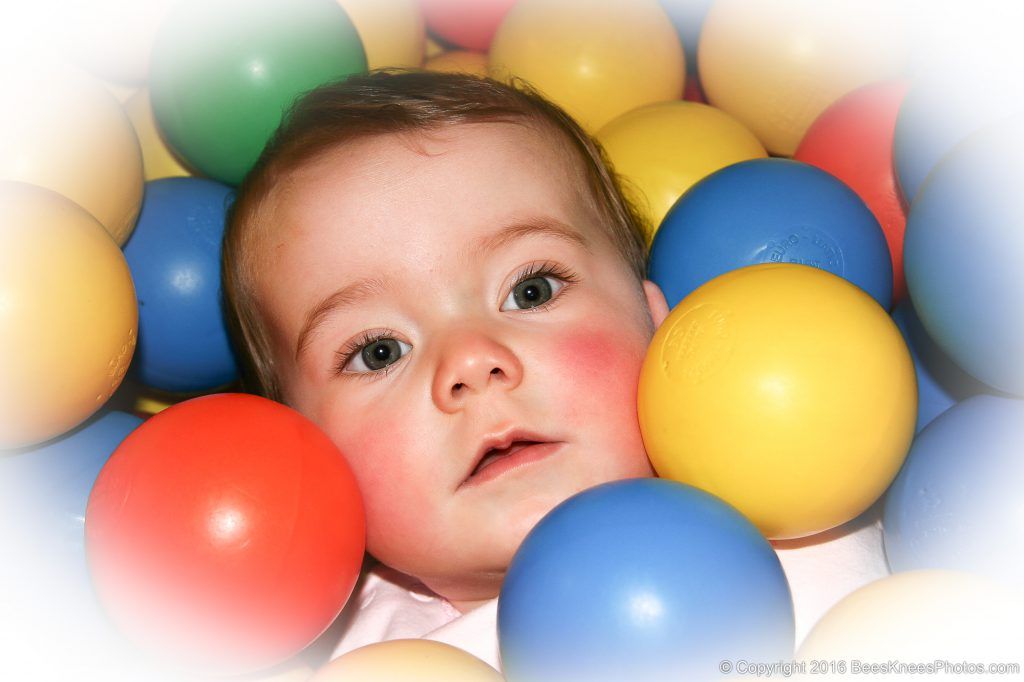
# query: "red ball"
x,y
852,139
226,532
470,24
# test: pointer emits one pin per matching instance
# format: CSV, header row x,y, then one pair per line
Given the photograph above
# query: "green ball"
x,y
224,72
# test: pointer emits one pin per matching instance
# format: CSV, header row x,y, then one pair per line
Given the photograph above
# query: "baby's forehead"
x,y
470,166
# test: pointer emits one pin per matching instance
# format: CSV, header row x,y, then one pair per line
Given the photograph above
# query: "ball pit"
x,y
796,74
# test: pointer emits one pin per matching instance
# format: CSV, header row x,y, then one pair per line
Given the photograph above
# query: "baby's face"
x,y
433,300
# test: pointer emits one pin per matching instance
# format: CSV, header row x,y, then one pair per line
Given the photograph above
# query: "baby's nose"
x,y
471,364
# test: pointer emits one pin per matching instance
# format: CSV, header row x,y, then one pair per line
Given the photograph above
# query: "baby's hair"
x,y
391,102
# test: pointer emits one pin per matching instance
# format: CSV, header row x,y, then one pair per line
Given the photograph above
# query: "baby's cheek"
x,y
600,371
375,449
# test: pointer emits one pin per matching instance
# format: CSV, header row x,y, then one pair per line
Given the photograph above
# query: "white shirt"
x,y
821,570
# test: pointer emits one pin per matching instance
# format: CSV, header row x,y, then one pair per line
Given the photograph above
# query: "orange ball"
x,y
226,532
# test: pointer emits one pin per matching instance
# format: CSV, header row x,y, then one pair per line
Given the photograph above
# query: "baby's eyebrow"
x,y
534,225
367,287
344,297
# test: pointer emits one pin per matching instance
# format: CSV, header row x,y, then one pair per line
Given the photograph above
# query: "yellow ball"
x,y
459,61
783,389
158,161
392,32
919,616
68,315
407,660
664,149
776,65
60,129
595,62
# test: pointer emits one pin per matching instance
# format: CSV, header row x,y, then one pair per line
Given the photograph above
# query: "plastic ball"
x,y
65,132
940,383
919,617
158,161
663,149
962,255
468,24
112,38
776,66
392,32
459,61
783,389
931,121
68,315
956,502
641,579
595,65
225,533
853,140
175,260
769,211
55,478
407,660
224,73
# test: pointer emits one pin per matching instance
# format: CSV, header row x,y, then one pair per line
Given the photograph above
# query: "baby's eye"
x,y
376,354
533,292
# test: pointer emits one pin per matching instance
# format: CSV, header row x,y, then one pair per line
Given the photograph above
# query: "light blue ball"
x,y
963,251
644,579
956,503
764,211
934,117
174,255
940,383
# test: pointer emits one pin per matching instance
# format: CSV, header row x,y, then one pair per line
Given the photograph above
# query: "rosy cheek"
x,y
604,364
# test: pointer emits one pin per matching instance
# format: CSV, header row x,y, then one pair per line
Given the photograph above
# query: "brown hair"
x,y
382,102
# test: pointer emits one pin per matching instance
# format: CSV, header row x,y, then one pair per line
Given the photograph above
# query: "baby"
x,y
443,274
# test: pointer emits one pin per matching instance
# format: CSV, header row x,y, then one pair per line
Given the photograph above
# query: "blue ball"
x,y
52,481
688,17
963,250
940,383
956,503
769,210
642,579
174,255
932,120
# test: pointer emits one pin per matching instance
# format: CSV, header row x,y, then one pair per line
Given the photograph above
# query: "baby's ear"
x,y
656,302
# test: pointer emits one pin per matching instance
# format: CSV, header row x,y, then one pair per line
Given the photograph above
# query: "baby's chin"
x,y
468,560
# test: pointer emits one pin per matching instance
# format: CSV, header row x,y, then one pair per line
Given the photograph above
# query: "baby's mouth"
x,y
494,454
499,455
